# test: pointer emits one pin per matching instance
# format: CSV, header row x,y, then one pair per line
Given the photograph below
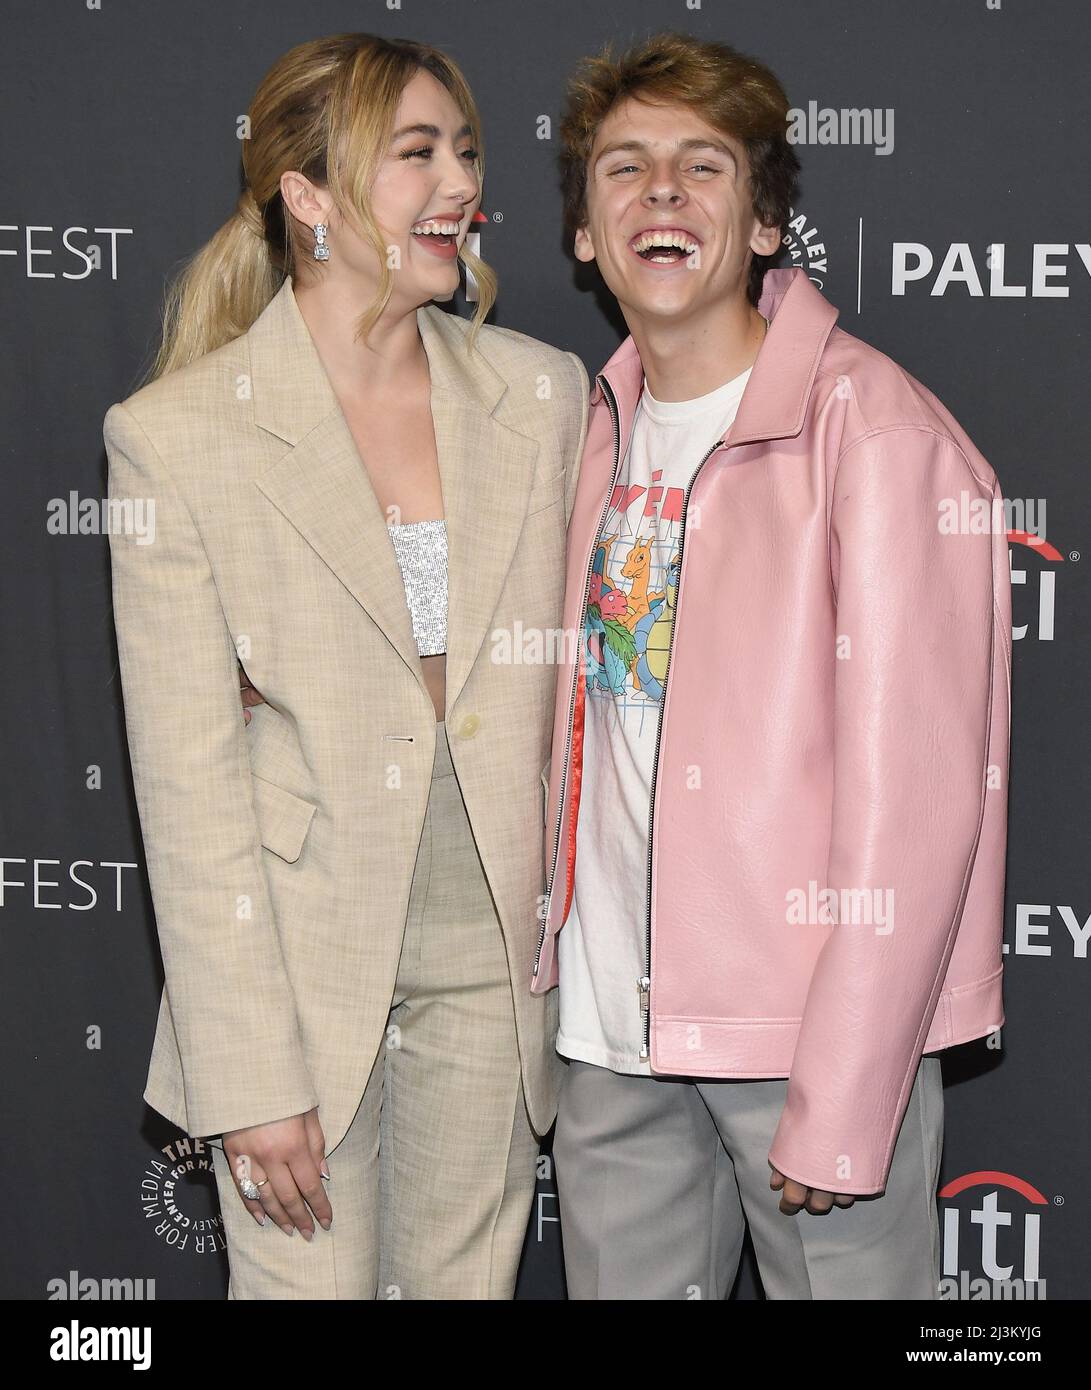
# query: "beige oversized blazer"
x,y
280,854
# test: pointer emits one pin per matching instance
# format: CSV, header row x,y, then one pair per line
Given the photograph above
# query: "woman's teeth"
x,y
433,227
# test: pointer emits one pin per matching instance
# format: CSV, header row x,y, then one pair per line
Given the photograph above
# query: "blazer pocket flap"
x,y
283,818
545,493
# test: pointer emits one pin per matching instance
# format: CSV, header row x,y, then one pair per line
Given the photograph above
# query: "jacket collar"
x,y
774,404
322,487
292,392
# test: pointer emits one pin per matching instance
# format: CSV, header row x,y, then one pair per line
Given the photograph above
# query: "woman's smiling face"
x,y
424,195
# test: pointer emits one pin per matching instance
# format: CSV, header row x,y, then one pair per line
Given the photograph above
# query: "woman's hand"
x,y
287,1159
250,696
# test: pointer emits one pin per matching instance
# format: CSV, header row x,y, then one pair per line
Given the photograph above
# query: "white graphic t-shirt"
x,y
627,625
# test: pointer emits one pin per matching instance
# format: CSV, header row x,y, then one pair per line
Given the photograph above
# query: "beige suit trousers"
x,y
432,1186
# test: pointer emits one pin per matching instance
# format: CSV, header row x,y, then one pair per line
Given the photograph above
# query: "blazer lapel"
x,y
487,472
322,487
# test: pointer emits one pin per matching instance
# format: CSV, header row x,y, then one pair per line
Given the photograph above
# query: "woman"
x,y
359,506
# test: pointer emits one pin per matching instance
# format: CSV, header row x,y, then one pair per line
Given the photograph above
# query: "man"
x,y
777,810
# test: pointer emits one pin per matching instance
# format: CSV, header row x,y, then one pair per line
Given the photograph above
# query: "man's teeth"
x,y
434,228
646,240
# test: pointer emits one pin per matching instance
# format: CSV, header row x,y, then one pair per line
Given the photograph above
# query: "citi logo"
x,y
996,1229
1047,584
473,245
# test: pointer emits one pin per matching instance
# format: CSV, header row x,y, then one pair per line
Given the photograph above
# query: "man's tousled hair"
x,y
732,92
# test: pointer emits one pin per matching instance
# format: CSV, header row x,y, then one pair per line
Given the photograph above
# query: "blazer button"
x,y
469,725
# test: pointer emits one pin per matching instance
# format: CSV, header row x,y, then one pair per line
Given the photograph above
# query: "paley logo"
x,y
992,1223
913,262
1034,921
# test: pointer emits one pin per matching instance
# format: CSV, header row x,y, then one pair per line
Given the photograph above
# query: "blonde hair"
x,y
334,97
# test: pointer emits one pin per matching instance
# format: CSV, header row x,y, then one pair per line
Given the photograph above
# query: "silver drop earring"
x,y
321,250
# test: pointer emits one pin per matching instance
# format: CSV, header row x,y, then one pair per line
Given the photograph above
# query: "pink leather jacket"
x,y
829,801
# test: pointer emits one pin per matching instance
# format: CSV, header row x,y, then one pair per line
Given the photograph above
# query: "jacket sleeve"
x,y
912,701
230,1000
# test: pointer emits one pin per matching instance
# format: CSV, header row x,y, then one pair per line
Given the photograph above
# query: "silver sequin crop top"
x,y
421,548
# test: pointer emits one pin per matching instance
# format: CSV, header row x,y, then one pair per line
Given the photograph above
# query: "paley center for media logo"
x,y
806,248
176,1201
992,1237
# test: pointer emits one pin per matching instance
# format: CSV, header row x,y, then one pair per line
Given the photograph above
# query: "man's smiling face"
x,y
670,219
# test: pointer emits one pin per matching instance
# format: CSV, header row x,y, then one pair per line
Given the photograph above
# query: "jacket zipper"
x,y
578,663
644,984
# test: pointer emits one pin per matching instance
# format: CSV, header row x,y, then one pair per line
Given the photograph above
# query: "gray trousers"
x,y
657,1179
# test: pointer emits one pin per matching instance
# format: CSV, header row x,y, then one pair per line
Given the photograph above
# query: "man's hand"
x,y
250,696
287,1160
796,1196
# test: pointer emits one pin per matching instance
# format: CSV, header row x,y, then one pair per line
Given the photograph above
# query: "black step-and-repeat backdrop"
x,y
945,209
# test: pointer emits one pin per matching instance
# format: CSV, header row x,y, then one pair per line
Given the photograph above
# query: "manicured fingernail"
x,y
324,1170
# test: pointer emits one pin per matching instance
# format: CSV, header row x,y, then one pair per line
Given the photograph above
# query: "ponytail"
x,y
220,291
